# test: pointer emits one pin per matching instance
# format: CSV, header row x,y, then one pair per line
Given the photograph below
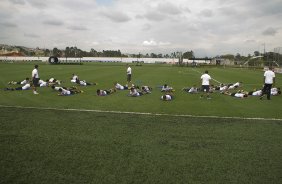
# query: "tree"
x,y
188,55
228,56
238,57
47,52
256,53
57,52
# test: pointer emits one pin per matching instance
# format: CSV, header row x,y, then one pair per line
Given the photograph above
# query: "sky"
x,y
207,27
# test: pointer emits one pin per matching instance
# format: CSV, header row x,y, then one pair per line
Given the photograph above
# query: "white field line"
x,y
141,113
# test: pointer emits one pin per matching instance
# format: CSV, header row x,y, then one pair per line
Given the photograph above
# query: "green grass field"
x,y
50,144
152,75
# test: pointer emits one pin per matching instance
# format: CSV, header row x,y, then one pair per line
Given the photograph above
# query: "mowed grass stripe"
x,y
141,113
51,146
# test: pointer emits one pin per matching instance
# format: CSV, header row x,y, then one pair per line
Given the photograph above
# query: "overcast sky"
x,y
208,27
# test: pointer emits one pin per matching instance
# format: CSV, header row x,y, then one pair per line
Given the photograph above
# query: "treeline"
x,y
76,52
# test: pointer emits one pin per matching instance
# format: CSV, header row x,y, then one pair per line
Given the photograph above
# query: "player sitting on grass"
x,y
101,92
166,88
167,97
133,92
119,86
20,82
74,78
25,87
146,89
191,90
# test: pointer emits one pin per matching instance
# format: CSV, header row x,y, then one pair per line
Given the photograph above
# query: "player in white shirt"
x,y
84,83
167,97
221,88
43,83
133,92
255,93
269,80
146,89
25,87
191,90
275,91
166,88
205,79
74,78
119,86
56,88
53,81
65,92
35,79
235,85
239,94
128,74
101,92
20,82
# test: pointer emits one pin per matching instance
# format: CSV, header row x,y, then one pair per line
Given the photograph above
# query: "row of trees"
x,y
76,52
268,58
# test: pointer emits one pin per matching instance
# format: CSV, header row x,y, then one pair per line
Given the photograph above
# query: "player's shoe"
x,y
35,92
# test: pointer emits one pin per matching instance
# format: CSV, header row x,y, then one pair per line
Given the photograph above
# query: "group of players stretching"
x,y
136,91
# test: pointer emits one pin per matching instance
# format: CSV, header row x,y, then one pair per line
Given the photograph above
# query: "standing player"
x,y
128,74
35,79
205,78
268,79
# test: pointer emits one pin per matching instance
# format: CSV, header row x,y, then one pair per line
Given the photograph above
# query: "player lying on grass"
x,y
20,82
234,86
43,83
73,88
191,90
221,88
25,87
69,91
166,88
101,92
76,80
118,86
273,92
146,89
56,88
84,83
134,92
238,94
53,81
255,93
167,97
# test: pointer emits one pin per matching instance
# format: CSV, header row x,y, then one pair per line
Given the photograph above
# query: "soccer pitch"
x,y
151,75
84,138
